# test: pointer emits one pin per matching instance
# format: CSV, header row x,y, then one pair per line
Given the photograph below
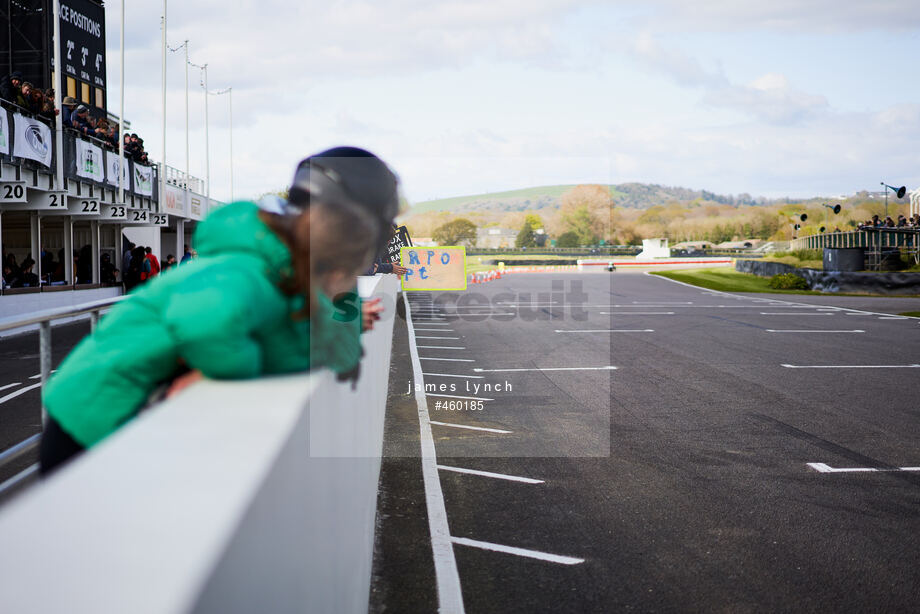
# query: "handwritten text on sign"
x,y
434,268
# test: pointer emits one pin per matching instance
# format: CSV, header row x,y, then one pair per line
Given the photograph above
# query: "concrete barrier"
x,y
232,497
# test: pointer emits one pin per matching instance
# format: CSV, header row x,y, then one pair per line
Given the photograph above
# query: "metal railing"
x,y
873,240
44,319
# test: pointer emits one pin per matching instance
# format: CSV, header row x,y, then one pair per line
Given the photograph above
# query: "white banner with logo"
x,y
4,133
33,140
175,201
111,170
90,161
143,180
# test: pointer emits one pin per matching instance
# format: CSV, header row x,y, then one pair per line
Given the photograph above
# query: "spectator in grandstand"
x,y
69,103
10,279
85,265
25,92
29,278
154,263
79,121
11,86
112,136
107,271
256,303
126,257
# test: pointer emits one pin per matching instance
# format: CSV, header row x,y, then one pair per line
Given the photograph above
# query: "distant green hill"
x,y
632,195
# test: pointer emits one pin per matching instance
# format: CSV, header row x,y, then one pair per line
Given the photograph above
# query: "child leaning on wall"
x,y
255,302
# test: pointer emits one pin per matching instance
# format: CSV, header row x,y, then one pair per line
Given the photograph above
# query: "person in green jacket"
x,y
255,302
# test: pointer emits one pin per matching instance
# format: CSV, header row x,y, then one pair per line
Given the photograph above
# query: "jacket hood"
x,y
236,228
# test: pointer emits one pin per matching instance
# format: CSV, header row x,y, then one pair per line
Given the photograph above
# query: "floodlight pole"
x,y
885,190
121,119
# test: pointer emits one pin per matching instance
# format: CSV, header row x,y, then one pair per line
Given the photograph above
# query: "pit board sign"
x,y
399,240
434,268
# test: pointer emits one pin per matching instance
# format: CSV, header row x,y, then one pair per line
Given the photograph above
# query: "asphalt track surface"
x,y
20,393
681,480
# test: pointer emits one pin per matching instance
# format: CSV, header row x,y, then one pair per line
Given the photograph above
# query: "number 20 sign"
x,y
434,268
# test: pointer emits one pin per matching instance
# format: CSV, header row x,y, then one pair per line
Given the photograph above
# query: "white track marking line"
x,y
792,313
439,347
13,395
453,375
421,337
532,554
637,313
770,330
851,366
489,474
454,396
471,428
893,318
450,597
823,468
607,330
13,385
40,375
448,359
435,330
607,368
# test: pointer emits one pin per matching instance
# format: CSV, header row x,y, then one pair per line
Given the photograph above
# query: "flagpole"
x,y
121,122
58,119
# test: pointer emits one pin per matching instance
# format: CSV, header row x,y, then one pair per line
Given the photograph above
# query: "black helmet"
x,y
347,174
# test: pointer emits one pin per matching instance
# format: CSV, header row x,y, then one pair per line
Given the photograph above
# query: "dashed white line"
x,y
439,347
471,428
637,313
421,337
489,474
607,368
13,395
13,385
608,330
792,313
851,366
823,468
531,554
770,330
449,359
452,375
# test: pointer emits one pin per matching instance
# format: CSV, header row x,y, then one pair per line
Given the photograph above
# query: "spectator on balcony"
x,y
36,100
25,93
11,86
69,103
102,130
889,223
112,136
256,303
902,222
79,121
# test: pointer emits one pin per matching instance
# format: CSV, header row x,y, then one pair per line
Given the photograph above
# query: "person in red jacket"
x,y
154,263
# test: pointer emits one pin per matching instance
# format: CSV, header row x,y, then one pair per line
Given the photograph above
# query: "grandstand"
x,y
59,189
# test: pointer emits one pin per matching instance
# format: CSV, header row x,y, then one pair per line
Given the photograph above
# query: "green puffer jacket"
x,y
222,313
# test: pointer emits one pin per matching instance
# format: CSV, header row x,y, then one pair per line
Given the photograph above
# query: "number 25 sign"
x,y
434,268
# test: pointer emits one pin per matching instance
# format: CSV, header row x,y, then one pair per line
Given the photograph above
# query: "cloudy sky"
x,y
773,98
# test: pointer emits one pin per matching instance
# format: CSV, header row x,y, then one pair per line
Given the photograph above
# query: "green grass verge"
x,y
913,314
726,280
